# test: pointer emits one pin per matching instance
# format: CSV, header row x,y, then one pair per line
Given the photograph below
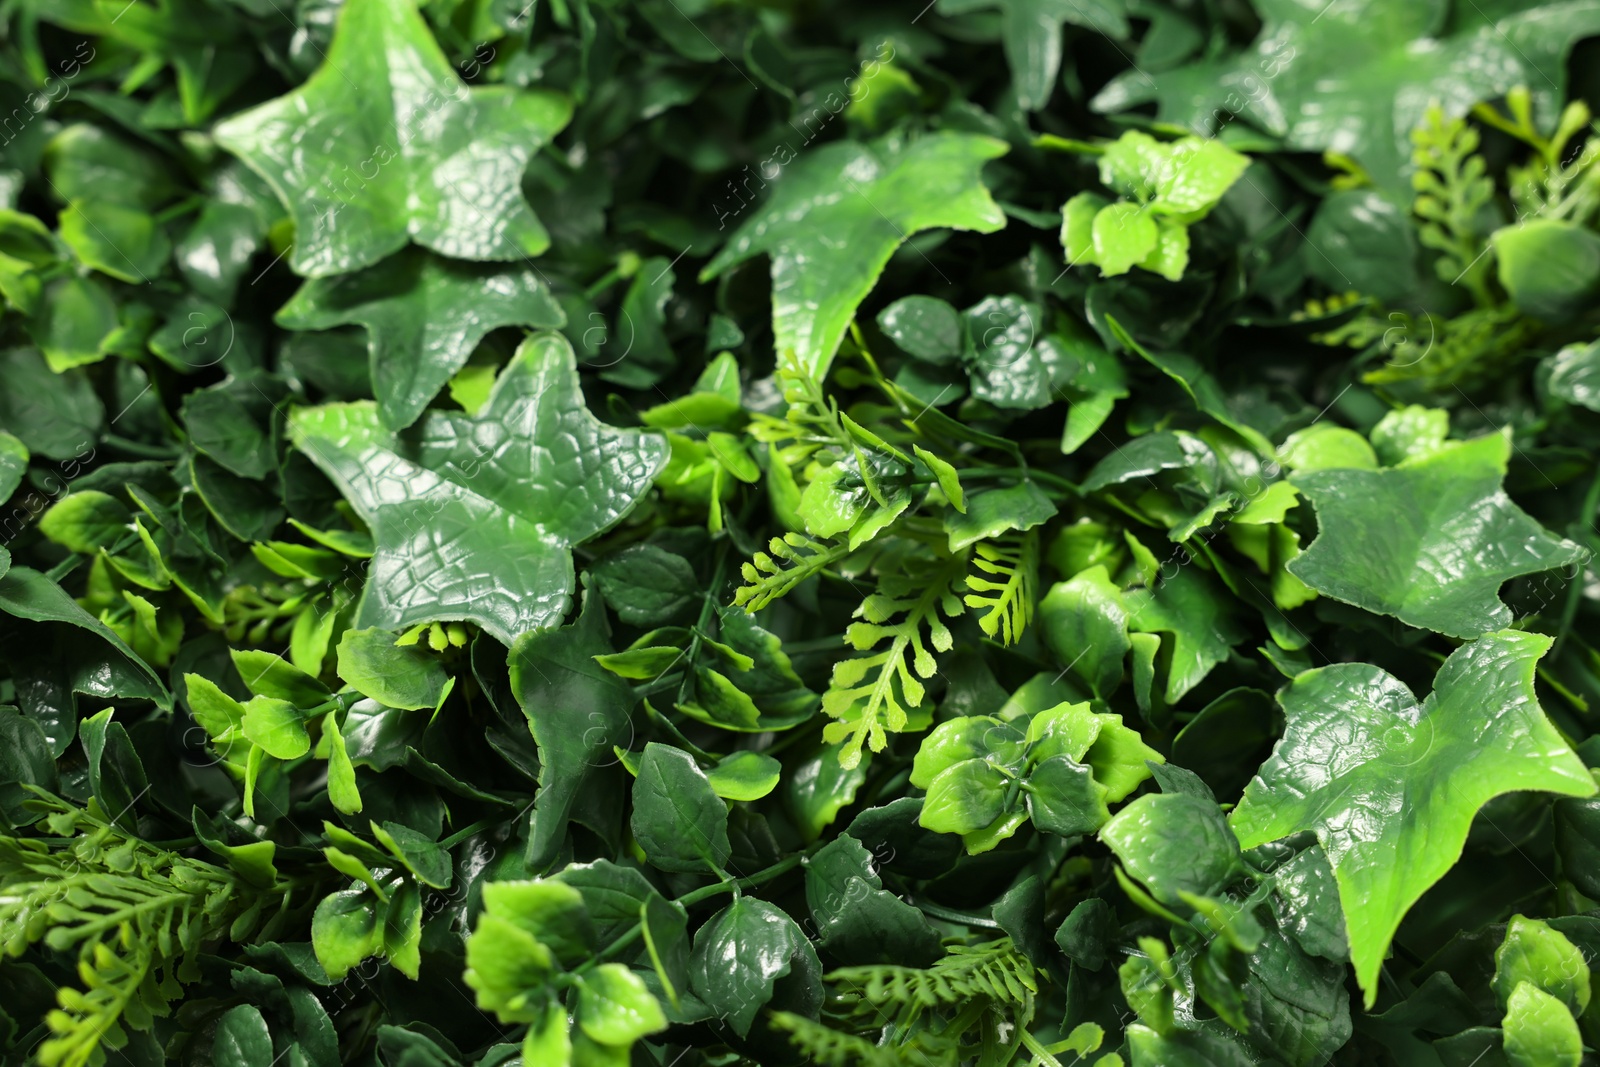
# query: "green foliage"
x,y
1165,188
133,916
583,534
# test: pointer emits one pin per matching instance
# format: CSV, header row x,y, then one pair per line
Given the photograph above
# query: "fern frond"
x,y
793,558
1452,186
1006,595
994,971
137,916
870,695
824,1046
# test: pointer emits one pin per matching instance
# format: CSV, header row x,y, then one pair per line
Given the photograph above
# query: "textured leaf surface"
x,y
474,517
1390,786
385,144
838,214
1430,541
424,315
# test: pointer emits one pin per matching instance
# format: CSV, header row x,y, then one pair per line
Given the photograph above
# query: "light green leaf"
x,y
1196,173
1391,786
1429,542
493,502
1124,234
399,677
964,798
615,1008
345,930
1324,446
414,155
836,216
277,726
86,522
424,315
1533,952
745,775
1539,1031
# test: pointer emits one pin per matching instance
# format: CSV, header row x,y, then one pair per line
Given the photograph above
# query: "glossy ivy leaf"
x,y
924,327
424,315
1430,541
836,216
1357,77
242,1038
55,415
385,144
742,953
492,503
27,594
1085,624
1030,31
678,819
1390,786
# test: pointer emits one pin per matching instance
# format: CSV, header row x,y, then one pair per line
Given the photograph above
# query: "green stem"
x,y
953,916
690,899
1041,1053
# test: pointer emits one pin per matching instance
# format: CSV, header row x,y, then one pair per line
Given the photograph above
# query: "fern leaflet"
x,y
769,578
1452,188
136,915
871,694
1002,585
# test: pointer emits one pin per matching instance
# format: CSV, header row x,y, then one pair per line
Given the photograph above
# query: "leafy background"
x,y
1002,531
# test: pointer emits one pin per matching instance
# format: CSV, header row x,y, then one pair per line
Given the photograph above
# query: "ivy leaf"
x,y
1391,786
385,144
493,503
1030,31
1428,542
424,315
1356,76
838,214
